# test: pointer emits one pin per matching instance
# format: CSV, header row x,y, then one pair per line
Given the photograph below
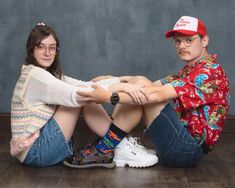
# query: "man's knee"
x,y
141,80
151,111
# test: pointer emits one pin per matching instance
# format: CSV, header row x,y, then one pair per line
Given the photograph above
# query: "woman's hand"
x,y
98,95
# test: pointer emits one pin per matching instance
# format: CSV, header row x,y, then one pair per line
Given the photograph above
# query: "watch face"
x,y
114,98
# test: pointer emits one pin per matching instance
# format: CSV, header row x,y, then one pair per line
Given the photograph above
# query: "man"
x,y
184,113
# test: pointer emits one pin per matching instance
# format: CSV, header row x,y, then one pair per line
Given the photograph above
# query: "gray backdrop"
x,y
118,37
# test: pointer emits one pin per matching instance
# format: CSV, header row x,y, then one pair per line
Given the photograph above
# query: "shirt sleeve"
x,y
45,88
168,79
200,87
103,83
75,82
108,82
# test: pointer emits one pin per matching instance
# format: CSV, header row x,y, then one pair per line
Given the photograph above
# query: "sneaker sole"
x,y
110,165
132,164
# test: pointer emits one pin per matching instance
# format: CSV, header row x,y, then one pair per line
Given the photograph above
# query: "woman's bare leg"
x,y
67,118
97,118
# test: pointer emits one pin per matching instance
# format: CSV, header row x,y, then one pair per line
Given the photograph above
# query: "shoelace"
x,y
136,141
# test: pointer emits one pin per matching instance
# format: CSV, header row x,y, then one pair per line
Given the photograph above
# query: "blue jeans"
x,y
175,146
50,148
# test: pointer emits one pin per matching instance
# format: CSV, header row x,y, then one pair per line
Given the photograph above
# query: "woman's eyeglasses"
x,y
53,49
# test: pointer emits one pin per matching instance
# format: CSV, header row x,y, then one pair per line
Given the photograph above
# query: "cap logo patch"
x,y
186,23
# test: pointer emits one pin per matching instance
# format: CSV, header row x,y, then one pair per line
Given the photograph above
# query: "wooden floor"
x,y
216,170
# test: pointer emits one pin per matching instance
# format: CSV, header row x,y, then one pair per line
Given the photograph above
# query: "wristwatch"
x,y
114,99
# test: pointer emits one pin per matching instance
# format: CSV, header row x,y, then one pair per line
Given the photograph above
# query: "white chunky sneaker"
x,y
137,142
130,152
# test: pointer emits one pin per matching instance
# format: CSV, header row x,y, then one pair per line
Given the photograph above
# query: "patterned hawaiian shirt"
x,y
203,98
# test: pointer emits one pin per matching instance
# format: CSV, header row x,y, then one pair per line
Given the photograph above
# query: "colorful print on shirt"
x,y
203,97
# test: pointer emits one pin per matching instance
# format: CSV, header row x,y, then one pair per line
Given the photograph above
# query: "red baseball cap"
x,y
188,26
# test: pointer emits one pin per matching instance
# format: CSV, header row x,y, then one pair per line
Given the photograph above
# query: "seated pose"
x,y
184,113
45,106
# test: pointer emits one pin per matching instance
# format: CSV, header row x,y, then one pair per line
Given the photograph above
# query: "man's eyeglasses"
x,y
187,41
53,49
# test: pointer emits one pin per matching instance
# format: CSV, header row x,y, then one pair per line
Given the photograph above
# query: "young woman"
x,y
46,105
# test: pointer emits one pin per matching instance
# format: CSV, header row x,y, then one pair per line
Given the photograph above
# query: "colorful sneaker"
x,y
130,152
89,157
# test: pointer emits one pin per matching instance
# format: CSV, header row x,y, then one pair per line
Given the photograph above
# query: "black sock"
x,y
111,139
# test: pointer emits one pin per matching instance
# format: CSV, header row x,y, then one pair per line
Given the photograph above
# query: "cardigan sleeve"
x,y
75,82
103,83
45,88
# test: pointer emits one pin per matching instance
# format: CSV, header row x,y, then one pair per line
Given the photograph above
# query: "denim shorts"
x,y
175,146
50,148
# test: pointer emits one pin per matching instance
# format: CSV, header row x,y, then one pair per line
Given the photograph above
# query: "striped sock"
x,y
111,139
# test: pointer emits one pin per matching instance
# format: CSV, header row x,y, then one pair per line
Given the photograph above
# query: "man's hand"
x,y
135,93
159,94
147,91
98,95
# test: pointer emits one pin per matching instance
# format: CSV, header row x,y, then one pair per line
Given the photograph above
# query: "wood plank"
x,y
216,170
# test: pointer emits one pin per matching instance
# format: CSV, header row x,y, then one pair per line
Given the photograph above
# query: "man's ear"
x,y
205,41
